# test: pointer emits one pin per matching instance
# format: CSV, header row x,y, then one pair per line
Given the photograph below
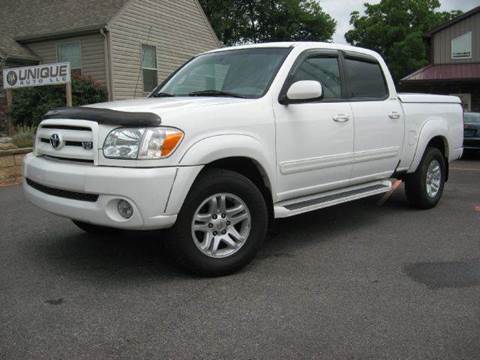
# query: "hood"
x,y
164,106
179,111
176,112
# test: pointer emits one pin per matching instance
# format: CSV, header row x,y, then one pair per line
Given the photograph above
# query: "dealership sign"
x,y
41,75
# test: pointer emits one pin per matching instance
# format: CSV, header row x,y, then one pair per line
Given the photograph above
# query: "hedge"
x,y
30,104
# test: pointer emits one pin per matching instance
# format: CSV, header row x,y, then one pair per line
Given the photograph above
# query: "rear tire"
x,y
221,226
424,187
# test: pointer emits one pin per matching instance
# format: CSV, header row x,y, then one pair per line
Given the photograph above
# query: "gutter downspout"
x,y
108,68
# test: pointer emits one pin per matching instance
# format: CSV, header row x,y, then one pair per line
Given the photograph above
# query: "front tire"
x,y
221,226
424,187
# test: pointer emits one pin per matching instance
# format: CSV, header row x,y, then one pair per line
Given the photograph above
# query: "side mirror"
x,y
303,91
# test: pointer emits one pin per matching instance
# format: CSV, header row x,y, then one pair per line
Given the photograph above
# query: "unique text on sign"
x,y
41,75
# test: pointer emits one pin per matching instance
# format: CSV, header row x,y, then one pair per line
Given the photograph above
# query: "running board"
x,y
319,201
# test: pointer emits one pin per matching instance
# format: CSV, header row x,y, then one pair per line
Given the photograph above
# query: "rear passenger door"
x,y
378,119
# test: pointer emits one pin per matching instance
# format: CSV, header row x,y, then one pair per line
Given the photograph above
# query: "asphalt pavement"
x,y
356,281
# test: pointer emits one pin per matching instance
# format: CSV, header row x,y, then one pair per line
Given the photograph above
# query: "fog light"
x,y
125,209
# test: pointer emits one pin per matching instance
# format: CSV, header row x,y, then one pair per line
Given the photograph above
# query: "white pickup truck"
x,y
237,137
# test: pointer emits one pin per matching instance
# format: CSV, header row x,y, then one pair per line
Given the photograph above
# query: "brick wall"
x,y
11,166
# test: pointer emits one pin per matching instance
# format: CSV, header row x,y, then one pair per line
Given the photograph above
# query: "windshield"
x,y
473,118
243,73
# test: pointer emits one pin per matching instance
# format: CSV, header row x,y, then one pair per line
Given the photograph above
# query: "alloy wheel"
x,y
221,225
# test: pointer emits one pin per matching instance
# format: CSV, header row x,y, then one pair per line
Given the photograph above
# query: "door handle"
x,y
341,118
394,115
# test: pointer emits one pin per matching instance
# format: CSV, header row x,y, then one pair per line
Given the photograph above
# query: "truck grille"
x,y
62,193
66,142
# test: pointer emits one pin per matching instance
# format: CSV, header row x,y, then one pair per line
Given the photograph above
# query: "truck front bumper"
x,y
91,193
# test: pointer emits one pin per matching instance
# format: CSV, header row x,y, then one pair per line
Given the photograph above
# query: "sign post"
x,y
9,107
68,91
31,76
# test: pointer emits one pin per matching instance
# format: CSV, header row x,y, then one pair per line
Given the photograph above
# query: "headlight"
x,y
141,143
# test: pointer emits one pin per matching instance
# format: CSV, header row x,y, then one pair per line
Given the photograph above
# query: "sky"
x,y
340,10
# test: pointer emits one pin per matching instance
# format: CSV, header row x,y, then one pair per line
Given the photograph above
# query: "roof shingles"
x,y
23,19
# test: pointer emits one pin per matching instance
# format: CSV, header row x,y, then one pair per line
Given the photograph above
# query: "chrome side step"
x,y
319,201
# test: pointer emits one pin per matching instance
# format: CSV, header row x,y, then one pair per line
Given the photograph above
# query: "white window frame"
x,y
468,33
79,43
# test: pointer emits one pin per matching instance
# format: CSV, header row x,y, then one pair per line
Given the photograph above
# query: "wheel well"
x,y
250,169
441,144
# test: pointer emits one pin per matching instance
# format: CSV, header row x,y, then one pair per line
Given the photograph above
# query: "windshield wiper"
x,y
163,94
215,93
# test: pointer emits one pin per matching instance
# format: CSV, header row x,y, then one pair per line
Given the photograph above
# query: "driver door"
x,y
314,138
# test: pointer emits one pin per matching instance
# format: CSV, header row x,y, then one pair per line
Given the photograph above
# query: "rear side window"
x,y
365,80
325,70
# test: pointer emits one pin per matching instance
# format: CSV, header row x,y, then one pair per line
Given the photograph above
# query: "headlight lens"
x,y
123,143
141,143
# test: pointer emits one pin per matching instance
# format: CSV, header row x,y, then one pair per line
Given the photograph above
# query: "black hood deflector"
x,y
105,116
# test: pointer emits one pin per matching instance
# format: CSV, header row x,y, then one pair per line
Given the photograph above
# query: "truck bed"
x,y
428,98
421,119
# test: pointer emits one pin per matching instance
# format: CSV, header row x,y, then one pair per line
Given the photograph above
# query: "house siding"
x,y
442,41
92,53
178,29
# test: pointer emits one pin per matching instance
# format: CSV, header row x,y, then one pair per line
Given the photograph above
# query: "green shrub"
x,y
24,136
30,104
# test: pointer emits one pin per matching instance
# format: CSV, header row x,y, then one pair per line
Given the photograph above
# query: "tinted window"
x,y
323,69
365,80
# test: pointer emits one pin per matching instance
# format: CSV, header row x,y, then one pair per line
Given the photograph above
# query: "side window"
x,y
462,46
326,70
70,52
365,80
149,67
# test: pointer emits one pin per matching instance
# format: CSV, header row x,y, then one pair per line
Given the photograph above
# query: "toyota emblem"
x,y
55,141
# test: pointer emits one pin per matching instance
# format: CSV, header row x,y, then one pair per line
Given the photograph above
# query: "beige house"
x,y
129,45
455,61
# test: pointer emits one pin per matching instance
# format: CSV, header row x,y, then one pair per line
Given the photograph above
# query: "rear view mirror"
x,y
303,91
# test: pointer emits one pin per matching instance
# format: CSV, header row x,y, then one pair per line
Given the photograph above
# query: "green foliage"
x,y
24,136
253,21
30,104
396,29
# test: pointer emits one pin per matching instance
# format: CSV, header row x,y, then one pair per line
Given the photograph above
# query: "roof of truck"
x,y
299,44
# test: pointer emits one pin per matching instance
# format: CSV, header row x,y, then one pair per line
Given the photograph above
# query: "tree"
x,y
253,21
396,29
